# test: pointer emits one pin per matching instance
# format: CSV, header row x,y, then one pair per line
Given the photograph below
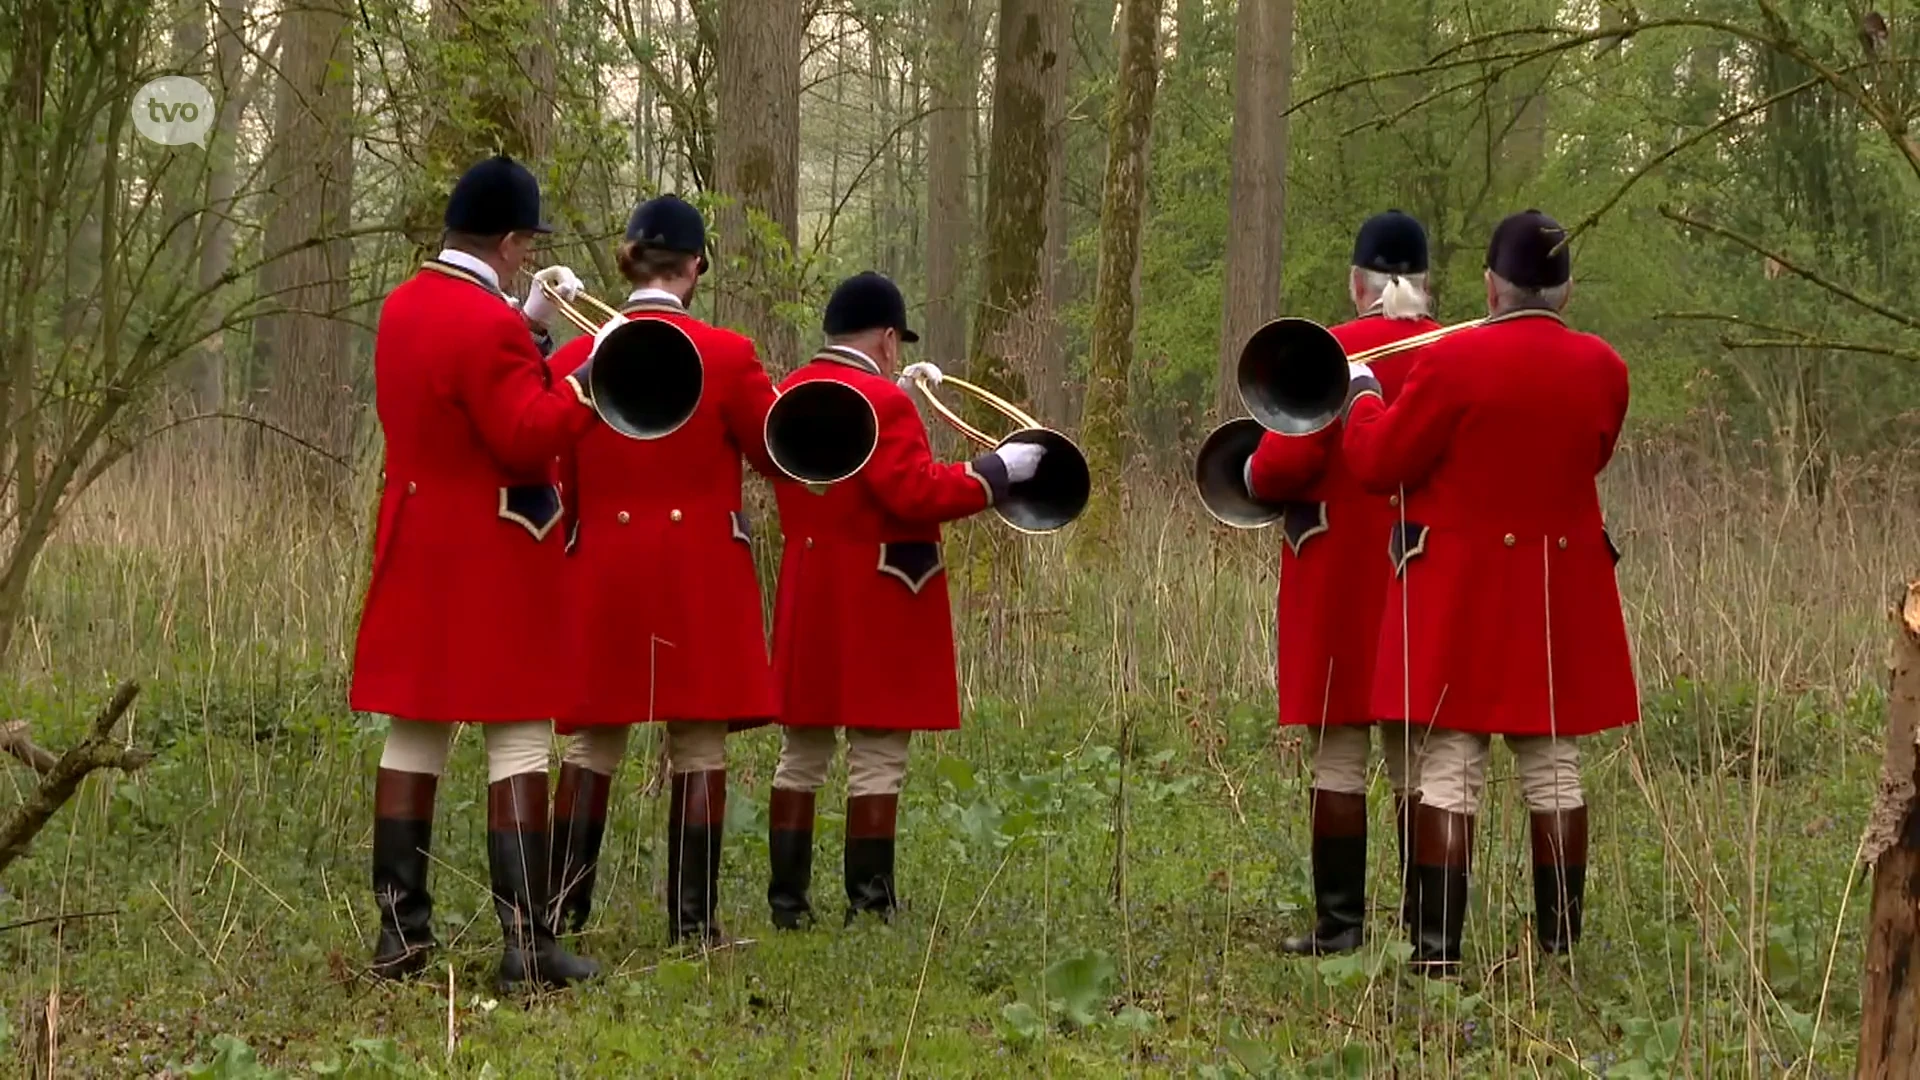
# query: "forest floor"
x,y
1098,869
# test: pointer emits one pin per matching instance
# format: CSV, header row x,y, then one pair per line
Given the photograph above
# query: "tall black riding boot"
x,y
790,851
517,844
1339,876
695,819
579,825
1443,851
402,841
871,821
1559,878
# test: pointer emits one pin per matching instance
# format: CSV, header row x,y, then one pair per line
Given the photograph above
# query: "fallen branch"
x,y
97,751
15,741
66,918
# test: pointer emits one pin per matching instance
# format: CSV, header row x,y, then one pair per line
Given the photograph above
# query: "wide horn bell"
x,y
1220,472
645,376
1292,376
821,432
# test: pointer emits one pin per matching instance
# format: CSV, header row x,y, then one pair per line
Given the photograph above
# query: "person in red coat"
x,y
1333,585
1505,595
666,619
457,623
863,633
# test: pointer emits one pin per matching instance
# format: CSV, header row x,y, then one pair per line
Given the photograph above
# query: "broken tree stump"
x,y
1890,996
58,783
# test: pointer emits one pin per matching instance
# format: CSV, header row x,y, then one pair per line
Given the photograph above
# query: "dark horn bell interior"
x,y
1293,376
821,432
1220,474
646,378
1058,490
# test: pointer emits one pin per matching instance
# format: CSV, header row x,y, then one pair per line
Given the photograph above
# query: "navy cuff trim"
x,y
1359,388
992,474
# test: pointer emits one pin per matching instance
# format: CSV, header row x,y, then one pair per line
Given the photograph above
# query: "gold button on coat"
x,y
809,541
412,487
1509,540
1563,543
623,517
675,515
1393,500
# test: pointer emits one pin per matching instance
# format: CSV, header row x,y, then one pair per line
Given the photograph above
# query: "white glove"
x,y
1356,372
538,307
1021,459
601,335
930,371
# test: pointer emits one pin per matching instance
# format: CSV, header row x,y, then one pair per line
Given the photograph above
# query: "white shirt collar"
x,y
652,295
851,351
472,266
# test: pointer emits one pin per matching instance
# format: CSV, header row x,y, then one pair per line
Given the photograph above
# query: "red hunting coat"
x,y
458,619
1506,597
1333,573
863,631
664,616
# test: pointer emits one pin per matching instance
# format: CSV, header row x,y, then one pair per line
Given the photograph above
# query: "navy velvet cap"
x,y
1391,243
867,301
1530,250
495,197
670,223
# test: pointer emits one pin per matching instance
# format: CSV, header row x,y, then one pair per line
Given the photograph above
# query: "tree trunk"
x,y
1004,330
507,102
1122,201
1890,997
306,344
1049,368
757,161
954,77
202,373
200,193
1257,202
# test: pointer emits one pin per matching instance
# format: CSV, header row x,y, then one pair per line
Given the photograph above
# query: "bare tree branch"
x,y
1792,267
1593,217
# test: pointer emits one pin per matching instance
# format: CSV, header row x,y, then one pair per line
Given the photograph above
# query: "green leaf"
x,y
1081,982
1021,1024
981,823
1254,1056
746,816
956,773
677,975
1136,1019
1346,970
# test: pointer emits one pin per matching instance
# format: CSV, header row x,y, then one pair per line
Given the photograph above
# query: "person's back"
x,y
1506,618
1529,414
699,463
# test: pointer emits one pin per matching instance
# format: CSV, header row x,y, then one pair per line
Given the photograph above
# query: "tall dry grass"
x,y
1756,615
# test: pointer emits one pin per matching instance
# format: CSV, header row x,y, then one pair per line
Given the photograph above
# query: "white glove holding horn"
x,y
923,369
538,306
1022,460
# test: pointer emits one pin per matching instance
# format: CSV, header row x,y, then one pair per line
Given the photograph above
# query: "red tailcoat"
x,y
664,616
862,628
458,623
1505,592
1333,570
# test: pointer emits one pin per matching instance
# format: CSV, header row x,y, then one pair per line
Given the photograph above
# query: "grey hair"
x,y
1398,296
1510,297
